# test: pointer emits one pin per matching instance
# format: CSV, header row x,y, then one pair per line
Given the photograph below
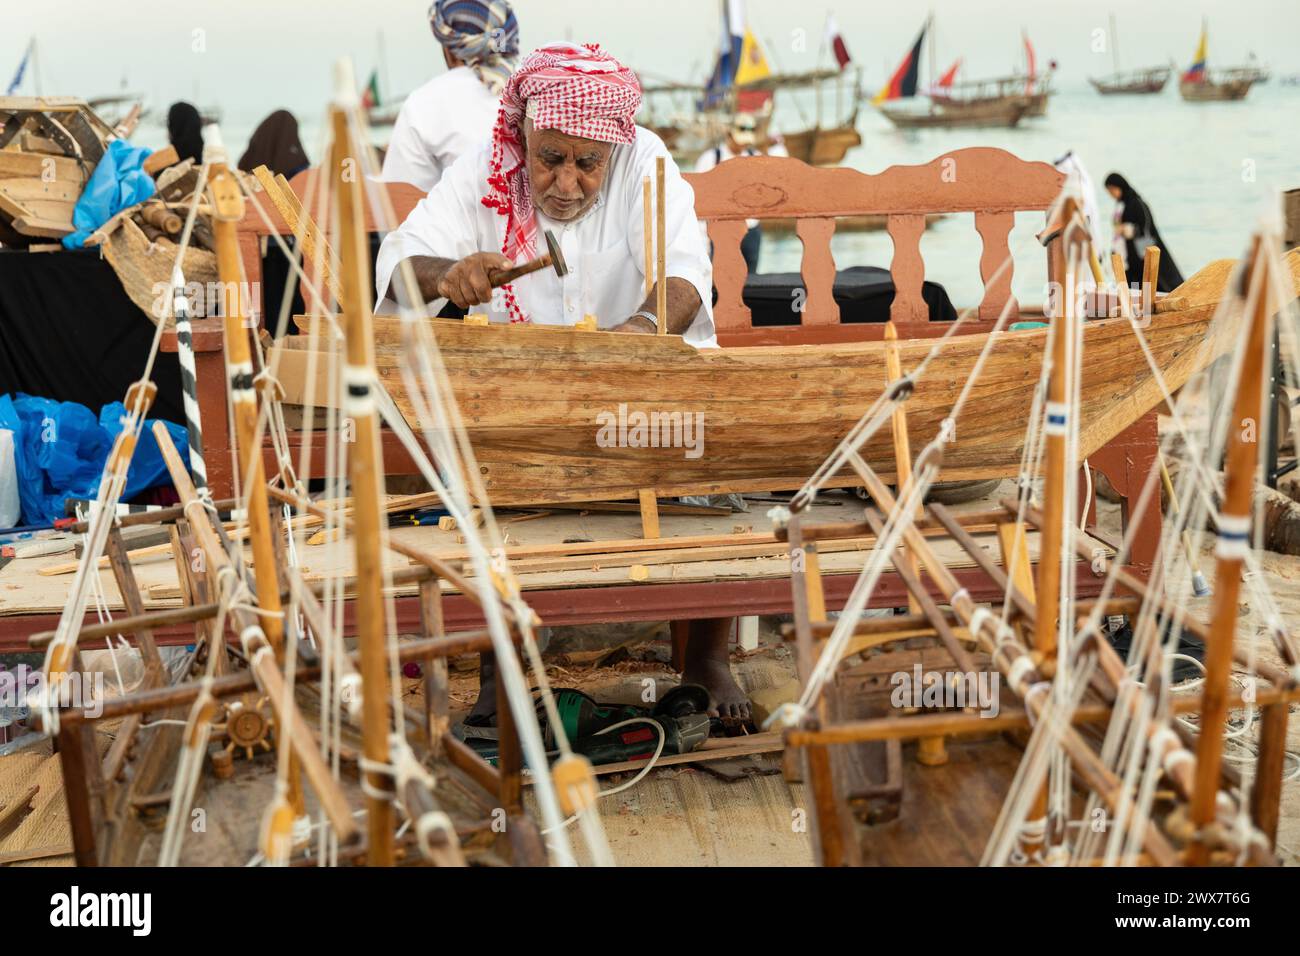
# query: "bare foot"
x,y
726,699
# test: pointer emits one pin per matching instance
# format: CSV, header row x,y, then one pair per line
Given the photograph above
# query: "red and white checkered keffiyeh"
x,y
577,90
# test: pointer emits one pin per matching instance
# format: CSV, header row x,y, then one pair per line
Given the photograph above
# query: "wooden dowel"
x,y
937,619
647,219
1266,791
178,695
1058,399
1233,545
437,720
364,471
1150,279
661,242
463,757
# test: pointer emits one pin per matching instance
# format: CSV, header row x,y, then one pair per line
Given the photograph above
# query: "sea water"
x,y
1209,172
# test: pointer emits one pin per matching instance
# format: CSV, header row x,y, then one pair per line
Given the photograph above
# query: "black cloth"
x,y
1138,214
275,145
185,131
863,293
69,332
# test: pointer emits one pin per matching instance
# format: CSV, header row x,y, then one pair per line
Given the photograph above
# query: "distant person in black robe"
x,y
185,131
1135,230
275,145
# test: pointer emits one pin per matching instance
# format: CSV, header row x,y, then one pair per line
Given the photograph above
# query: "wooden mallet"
x,y
553,258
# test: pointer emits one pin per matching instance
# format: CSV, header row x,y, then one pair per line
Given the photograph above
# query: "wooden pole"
x,y
930,751
364,470
1266,792
1150,279
1057,412
261,660
1244,429
228,206
654,279
228,210
661,243
647,221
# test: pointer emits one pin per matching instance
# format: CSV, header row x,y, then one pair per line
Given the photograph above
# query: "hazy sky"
x,y
261,54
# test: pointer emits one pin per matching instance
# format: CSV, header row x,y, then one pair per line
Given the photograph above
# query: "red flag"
x,y
836,43
946,80
1030,62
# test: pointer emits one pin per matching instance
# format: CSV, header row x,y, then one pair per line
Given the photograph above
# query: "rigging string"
x,y
1121,713
439,418
882,408
897,522
62,648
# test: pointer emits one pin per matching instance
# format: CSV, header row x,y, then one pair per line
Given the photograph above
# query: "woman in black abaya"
x,y
1135,230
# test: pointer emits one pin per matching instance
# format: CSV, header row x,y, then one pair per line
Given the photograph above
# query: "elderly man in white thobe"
x,y
453,113
565,156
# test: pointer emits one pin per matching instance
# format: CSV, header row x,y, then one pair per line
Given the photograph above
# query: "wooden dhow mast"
x,y
365,466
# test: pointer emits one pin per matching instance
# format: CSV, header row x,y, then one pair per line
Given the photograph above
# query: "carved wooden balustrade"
x,y
990,183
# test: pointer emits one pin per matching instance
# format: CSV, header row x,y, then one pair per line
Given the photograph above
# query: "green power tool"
x,y
610,733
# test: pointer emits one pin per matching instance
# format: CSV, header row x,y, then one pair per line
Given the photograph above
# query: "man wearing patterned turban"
x,y
566,156
453,112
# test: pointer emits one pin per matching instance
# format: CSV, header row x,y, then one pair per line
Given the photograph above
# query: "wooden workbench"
x,y
746,573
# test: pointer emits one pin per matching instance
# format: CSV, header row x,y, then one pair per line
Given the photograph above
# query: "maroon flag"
x,y
836,43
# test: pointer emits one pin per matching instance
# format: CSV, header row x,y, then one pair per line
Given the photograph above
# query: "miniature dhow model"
x,y
359,776
1088,760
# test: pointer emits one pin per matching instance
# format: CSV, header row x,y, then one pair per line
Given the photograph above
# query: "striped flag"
x,y
903,82
1196,72
836,42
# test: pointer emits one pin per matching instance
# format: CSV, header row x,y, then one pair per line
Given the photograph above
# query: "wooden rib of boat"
x,y
534,399
955,113
1136,82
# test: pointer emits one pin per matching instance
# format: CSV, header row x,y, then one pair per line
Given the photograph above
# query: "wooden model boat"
x,y
534,400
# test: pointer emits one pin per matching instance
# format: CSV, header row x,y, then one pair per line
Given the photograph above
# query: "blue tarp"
x,y
60,449
117,182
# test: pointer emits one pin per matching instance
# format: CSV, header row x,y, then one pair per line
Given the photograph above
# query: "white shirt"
x,y
439,122
603,248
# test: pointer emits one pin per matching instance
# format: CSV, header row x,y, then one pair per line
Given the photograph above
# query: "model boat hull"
x,y
564,415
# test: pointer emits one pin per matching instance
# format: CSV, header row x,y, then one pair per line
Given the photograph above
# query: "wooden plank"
x,y
160,159
15,164
38,853
649,513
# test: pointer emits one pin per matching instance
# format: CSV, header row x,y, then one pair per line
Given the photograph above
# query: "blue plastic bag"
x,y
118,181
60,449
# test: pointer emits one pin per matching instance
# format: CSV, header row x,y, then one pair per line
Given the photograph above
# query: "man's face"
x,y
564,172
